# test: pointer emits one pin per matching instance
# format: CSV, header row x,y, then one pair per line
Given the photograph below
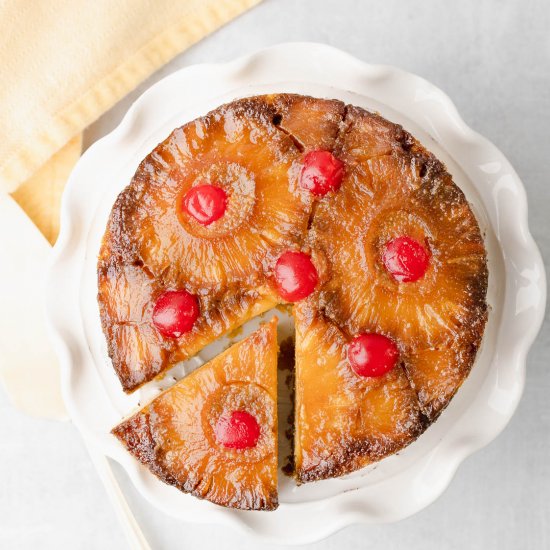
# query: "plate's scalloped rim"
x,y
520,253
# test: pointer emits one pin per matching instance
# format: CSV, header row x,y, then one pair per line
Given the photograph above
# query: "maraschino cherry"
x,y
206,203
372,355
405,259
295,276
322,172
238,430
175,313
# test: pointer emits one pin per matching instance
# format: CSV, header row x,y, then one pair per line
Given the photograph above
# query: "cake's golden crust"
x,y
173,435
392,186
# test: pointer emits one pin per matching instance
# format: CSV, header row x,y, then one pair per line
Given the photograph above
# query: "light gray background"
x,y
493,58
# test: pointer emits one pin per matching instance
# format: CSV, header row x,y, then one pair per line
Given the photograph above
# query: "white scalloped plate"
x,y
399,485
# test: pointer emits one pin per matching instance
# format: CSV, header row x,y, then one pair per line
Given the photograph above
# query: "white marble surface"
x,y
493,58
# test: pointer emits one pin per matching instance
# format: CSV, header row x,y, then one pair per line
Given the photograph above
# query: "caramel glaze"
x,y
174,434
392,186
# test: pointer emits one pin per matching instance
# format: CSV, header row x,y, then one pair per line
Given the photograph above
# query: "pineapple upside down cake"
x,y
289,199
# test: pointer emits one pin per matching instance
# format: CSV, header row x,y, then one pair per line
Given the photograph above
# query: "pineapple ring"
x,y
248,397
424,313
240,149
240,187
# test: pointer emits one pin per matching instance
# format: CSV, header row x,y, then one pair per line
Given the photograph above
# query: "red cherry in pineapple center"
x,y
372,354
205,203
405,259
295,276
175,313
238,430
322,172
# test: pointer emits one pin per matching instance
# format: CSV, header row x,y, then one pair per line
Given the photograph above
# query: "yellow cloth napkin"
x,y
40,195
65,62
